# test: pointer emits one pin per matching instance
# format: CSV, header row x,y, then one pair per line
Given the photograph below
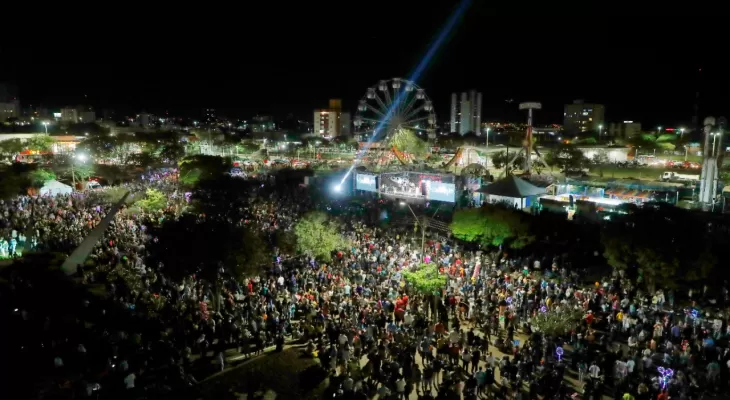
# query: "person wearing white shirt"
x,y
594,371
454,337
400,387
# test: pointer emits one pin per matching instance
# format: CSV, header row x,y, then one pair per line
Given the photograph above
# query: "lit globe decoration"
x,y
559,352
665,375
391,105
543,309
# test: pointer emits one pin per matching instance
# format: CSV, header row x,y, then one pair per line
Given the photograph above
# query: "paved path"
x,y
81,253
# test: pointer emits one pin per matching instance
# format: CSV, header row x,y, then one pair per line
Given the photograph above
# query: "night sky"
x,y
287,58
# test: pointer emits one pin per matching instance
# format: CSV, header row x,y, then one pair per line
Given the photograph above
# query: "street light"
x,y
45,125
488,136
659,130
81,157
423,229
681,133
600,128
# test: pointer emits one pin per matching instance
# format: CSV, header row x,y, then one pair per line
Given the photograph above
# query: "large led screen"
x,y
440,191
365,182
416,184
402,184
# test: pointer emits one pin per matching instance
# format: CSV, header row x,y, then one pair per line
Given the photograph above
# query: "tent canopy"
x,y
54,187
512,186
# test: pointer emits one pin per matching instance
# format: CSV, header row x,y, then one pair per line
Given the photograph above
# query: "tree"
x,y
197,167
249,146
12,183
112,173
492,226
40,143
286,242
216,247
318,235
40,176
499,159
84,171
11,147
566,157
172,152
154,201
657,245
224,196
408,142
557,322
427,281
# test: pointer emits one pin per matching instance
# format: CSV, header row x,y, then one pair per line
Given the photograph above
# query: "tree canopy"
x,y
208,248
154,201
657,245
318,235
408,142
566,157
492,226
426,279
40,176
557,322
11,147
195,168
40,143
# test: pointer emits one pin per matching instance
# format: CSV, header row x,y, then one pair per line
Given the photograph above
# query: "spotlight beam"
x,y
417,72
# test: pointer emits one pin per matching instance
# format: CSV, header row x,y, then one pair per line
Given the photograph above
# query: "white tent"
x,y
54,187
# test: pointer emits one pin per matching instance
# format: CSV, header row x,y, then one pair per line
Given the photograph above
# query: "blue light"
x,y
415,75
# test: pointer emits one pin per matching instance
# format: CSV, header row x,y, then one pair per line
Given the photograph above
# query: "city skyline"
x,y
638,75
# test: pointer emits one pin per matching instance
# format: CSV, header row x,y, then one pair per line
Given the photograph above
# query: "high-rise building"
x,y
332,122
209,116
466,112
583,117
70,114
623,130
87,115
9,103
9,109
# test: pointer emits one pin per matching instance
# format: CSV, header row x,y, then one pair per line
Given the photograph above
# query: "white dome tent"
x,y
54,187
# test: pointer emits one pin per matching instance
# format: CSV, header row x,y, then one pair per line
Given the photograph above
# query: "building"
x,y
209,117
466,112
9,109
70,114
623,130
583,117
332,122
262,123
145,120
87,116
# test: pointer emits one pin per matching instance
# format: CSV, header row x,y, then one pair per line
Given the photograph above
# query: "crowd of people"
x,y
480,335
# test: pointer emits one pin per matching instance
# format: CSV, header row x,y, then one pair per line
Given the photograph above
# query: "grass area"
x,y
287,374
612,171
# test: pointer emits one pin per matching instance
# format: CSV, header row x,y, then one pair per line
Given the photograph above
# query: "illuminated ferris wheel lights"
x,y
391,105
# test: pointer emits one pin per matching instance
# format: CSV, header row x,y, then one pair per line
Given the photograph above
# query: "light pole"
x,y
488,136
80,157
423,229
45,125
600,129
681,134
686,150
659,131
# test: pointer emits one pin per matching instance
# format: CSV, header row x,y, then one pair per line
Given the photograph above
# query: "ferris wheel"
x,y
393,104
